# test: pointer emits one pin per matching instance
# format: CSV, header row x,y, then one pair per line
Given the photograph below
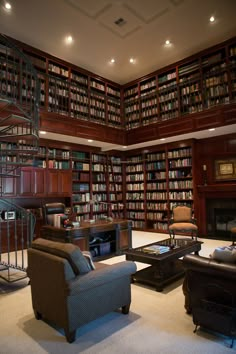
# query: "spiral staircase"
x,y
19,121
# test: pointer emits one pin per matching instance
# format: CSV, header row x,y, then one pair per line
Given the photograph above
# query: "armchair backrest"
x,y
50,209
182,213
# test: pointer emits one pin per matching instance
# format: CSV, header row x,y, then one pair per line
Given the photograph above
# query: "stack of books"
x,y
156,249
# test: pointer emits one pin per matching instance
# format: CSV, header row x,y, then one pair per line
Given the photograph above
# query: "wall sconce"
x,y
204,167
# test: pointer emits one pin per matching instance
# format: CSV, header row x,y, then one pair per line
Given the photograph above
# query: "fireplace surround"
x,y
216,211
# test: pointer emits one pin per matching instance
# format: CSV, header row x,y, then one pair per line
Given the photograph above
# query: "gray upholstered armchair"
x,y
68,291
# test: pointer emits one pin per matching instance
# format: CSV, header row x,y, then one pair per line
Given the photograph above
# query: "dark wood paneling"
x,y
54,123
149,132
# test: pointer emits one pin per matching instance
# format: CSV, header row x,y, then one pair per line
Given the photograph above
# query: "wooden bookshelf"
x,y
156,191
81,178
135,190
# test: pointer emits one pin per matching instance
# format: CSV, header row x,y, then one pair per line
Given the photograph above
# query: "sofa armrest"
x,y
209,266
101,276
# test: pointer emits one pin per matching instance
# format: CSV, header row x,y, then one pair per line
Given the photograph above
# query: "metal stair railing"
x,y
19,124
16,234
19,108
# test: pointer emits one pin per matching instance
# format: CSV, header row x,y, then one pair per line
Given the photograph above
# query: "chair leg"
x,y
125,309
195,329
37,315
70,336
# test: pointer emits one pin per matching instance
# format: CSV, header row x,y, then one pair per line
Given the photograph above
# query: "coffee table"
x,y
165,267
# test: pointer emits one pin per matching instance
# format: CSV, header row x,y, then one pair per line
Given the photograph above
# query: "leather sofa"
x,y
210,294
69,290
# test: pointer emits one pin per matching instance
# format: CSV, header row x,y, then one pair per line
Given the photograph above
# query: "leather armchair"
x,y
67,290
50,209
210,294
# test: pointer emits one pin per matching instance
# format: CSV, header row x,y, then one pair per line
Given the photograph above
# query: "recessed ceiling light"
x,y
69,39
131,60
112,60
211,130
212,19
90,140
8,6
42,132
167,42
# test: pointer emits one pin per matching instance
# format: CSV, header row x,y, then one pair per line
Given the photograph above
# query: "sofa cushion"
x,y
68,251
224,254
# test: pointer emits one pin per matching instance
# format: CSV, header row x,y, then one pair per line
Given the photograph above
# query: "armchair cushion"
x,y
183,226
102,275
72,253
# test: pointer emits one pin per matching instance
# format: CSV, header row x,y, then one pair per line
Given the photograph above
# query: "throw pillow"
x,y
89,259
68,251
224,254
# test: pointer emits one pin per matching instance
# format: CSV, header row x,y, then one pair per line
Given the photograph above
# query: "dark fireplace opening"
x,y
221,217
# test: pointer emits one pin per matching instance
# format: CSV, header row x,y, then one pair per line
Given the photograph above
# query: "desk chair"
x,y
50,209
182,221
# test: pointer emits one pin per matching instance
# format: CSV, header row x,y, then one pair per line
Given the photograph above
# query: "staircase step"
x,y
13,119
15,138
6,175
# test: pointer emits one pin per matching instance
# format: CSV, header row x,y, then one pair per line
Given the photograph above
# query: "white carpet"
x,y
157,322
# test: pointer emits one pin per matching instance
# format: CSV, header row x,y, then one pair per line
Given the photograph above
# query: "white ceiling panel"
x,y
90,8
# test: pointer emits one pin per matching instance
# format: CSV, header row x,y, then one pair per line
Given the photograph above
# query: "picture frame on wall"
x,y
225,170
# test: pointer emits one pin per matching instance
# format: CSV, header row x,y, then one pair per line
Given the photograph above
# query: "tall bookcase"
x,y
180,176
232,71
168,95
156,190
74,92
197,83
115,186
190,87
135,190
156,181
81,184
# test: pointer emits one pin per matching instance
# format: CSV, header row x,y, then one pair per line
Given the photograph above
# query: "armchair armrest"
x,y
101,276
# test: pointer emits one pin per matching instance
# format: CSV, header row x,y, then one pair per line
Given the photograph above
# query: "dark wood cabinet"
x,y
59,182
32,182
9,186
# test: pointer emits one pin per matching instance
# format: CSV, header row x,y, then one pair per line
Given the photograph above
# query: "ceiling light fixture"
x,y
162,139
69,39
90,140
7,6
124,147
112,60
131,60
212,19
211,129
167,42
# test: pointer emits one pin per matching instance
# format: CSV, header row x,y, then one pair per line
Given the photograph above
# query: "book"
x,y
156,249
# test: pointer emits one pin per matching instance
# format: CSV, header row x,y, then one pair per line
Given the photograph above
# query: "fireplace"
x,y
216,210
221,217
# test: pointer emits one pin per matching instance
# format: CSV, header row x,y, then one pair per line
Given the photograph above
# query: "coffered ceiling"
x,y
106,29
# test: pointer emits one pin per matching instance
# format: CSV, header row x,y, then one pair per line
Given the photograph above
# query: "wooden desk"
x,y
102,237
